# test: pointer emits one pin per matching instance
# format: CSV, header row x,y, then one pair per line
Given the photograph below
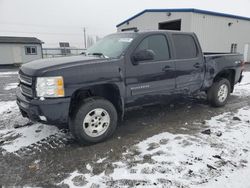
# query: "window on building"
x,y
185,46
30,50
171,25
158,44
234,48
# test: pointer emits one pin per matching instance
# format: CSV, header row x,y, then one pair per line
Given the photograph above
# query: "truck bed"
x,y
217,62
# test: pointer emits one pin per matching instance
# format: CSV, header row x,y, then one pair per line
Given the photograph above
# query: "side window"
x,y
30,50
158,44
185,46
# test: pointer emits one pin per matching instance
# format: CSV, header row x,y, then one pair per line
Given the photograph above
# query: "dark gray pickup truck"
x,y
90,92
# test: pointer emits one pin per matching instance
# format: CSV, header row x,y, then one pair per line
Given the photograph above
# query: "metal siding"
x,y
150,21
216,36
15,53
6,56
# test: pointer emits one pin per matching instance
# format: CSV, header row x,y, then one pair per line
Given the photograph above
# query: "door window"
x,y
158,44
185,46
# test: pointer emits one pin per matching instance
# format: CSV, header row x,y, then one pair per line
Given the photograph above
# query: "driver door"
x,y
150,80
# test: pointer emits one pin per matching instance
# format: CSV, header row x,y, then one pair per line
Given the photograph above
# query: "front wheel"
x,y
219,92
94,121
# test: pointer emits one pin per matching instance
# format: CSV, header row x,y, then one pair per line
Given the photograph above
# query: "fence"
x,y
60,52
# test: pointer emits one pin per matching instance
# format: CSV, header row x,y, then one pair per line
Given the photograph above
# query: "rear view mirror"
x,y
143,55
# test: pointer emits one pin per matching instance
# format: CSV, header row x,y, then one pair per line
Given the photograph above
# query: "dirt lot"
x,y
33,154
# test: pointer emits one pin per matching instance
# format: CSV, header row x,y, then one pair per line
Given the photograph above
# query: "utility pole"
x,y
85,39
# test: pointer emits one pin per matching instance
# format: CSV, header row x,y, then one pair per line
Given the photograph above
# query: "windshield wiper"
x,y
98,54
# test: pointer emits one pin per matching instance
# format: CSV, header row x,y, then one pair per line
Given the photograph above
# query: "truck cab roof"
x,y
158,31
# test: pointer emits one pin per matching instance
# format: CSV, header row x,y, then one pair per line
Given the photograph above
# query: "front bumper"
x,y
51,111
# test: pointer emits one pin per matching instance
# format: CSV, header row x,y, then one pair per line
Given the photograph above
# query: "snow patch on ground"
x,y
179,160
238,179
4,74
13,139
6,106
243,89
10,116
101,160
10,86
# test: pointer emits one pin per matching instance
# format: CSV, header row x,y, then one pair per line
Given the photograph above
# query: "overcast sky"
x,y
63,20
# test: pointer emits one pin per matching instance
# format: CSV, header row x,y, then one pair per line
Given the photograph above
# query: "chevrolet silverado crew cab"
x,y
90,92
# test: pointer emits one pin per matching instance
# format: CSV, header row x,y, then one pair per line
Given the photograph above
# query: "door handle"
x,y
197,65
167,68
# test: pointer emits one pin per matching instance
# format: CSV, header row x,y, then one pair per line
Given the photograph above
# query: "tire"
x,y
219,92
94,121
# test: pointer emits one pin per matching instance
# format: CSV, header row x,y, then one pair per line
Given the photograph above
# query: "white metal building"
x,y
17,50
217,32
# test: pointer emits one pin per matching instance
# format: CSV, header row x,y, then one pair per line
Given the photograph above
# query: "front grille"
x,y
25,79
26,90
26,85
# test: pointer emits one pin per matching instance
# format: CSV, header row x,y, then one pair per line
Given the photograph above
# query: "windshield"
x,y
112,46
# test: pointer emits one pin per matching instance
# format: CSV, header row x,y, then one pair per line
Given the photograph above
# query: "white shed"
x,y
217,32
17,50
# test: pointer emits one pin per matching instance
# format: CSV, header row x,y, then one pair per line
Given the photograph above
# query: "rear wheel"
x,y
94,121
219,92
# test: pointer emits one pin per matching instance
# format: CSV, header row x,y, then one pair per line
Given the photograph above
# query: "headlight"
x,y
50,87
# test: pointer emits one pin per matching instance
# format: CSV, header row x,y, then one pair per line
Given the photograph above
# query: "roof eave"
x,y
22,43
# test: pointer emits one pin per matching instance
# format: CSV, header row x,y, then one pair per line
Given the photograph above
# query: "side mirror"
x,y
143,55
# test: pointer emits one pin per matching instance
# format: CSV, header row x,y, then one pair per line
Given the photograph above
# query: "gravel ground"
x,y
33,154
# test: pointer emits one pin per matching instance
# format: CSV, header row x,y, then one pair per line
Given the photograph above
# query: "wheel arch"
x,y
227,74
110,92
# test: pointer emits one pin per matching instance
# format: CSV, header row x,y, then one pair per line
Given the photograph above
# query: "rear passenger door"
x,y
189,63
148,81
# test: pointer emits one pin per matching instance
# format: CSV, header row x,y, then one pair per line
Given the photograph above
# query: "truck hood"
x,y
38,67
